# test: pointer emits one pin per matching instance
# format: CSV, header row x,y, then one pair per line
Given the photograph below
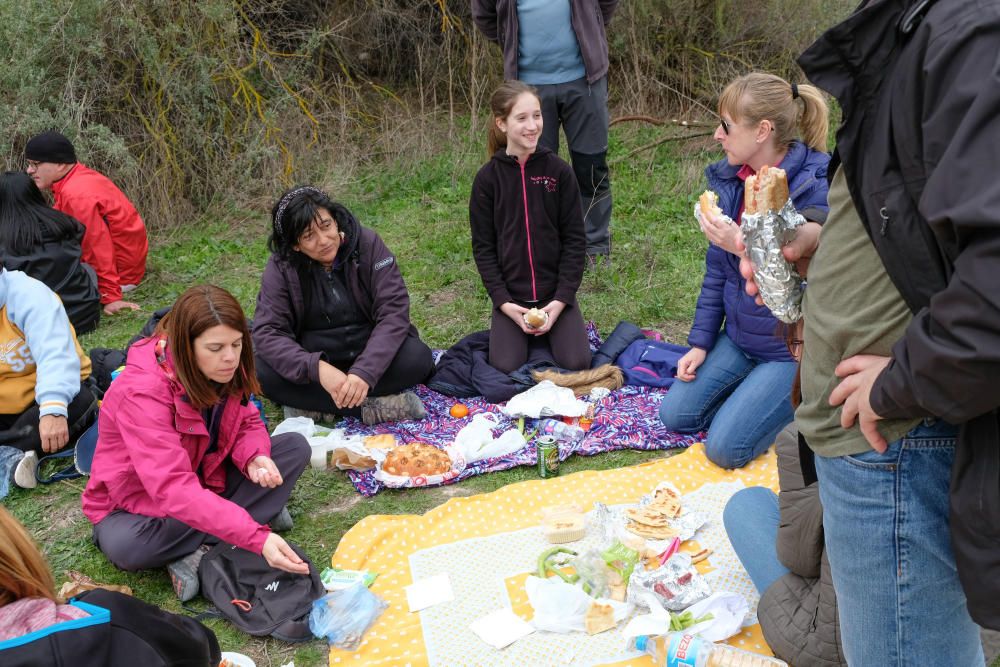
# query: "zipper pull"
x,y
885,220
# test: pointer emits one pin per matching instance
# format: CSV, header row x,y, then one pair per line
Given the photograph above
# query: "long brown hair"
x,y
501,103
23,570
198,309
759,96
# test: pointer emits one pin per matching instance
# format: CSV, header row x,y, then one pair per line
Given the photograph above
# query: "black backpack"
x,y
257,598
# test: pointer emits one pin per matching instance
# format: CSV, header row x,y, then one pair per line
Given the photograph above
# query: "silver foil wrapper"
x,y
779,282
676,585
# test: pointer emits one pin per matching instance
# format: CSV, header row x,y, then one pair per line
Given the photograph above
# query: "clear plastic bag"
x,y
343,616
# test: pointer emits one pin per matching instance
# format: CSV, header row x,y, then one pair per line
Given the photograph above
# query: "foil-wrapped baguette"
x,y
769,223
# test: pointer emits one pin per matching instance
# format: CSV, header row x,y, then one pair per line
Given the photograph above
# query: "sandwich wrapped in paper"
x,y
769,223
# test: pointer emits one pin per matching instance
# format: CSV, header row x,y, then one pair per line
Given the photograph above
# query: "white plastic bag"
x,y
545,399
728,611
476,442
561,607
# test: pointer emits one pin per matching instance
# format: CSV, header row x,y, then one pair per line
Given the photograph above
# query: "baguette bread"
x,y
767,190
710,203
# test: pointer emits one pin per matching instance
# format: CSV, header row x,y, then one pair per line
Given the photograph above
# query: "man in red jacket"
x,y
115,242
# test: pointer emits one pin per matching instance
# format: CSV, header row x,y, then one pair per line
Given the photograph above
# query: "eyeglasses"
x,y
33,164
725,124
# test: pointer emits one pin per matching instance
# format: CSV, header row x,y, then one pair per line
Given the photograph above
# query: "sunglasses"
x,y
725,124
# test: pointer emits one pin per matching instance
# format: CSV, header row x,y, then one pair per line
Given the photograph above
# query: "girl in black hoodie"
x,y
528,237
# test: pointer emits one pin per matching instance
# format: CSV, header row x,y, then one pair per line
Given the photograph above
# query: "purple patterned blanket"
x,y
626,419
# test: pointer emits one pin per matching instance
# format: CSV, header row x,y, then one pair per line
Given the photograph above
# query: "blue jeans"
x,y
742,401
751,518
886,523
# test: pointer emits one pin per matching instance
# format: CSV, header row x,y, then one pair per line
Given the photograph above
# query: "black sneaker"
x,y
184,573
394,408
282,522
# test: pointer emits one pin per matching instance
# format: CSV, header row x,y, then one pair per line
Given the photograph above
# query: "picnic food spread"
x,y
416,458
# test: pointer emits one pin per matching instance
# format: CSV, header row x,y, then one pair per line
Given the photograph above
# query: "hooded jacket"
x,y
919,85
798,612
497,19
723,295
115,243
152,453
56,261
378,290
527,229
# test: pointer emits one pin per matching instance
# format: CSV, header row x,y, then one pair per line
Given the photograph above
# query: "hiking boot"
x,y
316,416
282,522
24,473
394,408
184,573
9,458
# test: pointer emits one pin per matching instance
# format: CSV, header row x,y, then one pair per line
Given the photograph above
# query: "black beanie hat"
x,y
50,147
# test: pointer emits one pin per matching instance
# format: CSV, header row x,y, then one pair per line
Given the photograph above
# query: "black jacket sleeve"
x,y
948,362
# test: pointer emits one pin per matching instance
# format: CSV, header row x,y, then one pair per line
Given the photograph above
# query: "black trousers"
x,y
136,542
411,366
509,345
21,430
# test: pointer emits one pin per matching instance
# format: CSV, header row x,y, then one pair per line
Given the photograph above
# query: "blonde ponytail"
x,y
760,96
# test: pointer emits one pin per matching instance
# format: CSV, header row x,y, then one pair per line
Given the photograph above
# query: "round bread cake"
x,y
416,459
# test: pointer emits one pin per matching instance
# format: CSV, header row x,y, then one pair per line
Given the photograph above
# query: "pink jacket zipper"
x,y
527,229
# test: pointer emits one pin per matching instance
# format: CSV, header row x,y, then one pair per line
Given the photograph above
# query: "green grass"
x,y
420,209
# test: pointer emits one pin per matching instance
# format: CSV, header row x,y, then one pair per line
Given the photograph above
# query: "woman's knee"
x,y
123,550
290,451
676,417
728,452
746,506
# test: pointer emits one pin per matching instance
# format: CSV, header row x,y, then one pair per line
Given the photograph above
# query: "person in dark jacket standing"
x,y
332,330
45,244
899,389
527,236
737,377
561,48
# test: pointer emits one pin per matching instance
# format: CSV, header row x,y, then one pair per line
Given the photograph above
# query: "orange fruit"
x,y
459,410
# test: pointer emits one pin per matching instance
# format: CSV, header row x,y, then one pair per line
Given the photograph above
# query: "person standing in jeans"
x,y
560,47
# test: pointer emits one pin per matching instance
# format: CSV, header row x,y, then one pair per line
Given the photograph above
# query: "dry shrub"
x,y
191,105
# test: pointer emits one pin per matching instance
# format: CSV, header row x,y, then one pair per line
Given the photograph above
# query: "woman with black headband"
x,y
332,330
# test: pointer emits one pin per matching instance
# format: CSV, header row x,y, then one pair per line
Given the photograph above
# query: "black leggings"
x,y
21,430
411,366
567,340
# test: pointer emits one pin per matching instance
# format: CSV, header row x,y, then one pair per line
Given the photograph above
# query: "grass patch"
x,y
421,210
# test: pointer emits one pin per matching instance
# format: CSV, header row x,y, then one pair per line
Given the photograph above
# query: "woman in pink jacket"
x,y
183,459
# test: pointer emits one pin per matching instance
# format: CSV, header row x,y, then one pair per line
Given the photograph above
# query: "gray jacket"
x,y
798,612
497,19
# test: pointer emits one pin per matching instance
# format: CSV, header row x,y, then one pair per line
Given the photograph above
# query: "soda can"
x,y
547,450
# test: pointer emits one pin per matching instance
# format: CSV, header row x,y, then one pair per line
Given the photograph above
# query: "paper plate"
x,y
238,659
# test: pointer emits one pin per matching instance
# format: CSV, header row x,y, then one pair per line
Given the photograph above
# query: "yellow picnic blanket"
x,y
489,543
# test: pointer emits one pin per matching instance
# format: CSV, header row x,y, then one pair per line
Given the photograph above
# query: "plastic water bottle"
x,y
560,430
679,649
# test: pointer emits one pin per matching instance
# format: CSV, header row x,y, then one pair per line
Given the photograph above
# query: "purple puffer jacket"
x,y
377,287
723,292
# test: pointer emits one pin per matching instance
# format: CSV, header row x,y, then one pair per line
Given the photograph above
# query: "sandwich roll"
x,y
710,203
536,318
767,190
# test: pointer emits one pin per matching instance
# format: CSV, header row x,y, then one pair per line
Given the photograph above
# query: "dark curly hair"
x,y
292,215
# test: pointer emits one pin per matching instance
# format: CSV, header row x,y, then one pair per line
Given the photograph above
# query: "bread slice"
x,y
767,190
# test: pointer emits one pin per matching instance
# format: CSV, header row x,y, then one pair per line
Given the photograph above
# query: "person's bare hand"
x,y
351,393
280,556
720,231
689,363
516,313
554,309
800,249
53,431
331,378
115,306
262,470
858,374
